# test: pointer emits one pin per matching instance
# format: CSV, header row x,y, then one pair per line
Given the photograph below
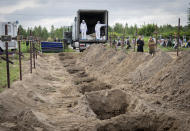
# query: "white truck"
x,y
12,30
91,17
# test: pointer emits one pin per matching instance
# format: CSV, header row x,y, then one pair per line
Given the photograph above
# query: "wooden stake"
x,y
30,41
135,39
20,62
7,57
178,37
33,46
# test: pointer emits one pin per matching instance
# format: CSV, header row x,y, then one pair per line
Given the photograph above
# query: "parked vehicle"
x,y
12,30
91,17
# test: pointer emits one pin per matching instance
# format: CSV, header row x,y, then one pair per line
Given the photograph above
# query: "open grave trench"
x,y
116,109
105,101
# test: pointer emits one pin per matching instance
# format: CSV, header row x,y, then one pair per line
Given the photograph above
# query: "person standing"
x,y
97,29
83,29
128,43
152,46
140,45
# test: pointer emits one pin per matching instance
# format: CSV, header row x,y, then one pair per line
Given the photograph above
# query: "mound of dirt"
x,y
150,67
173,82
134,67
30,121
142,122
161,80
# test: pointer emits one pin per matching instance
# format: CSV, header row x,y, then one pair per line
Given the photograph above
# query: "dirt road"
x,y
98,90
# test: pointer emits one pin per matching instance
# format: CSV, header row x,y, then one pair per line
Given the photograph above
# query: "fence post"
x,y
36,48
7,57
135,39
123,38
19,48
34,51
30,41
156,36
178,37
110,40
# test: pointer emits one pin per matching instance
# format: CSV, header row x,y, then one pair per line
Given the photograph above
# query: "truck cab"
x,y
12,30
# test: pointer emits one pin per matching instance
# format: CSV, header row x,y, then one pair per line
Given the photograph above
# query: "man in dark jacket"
x,y
140,44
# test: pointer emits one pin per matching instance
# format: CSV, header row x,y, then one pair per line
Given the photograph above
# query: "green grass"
x,y
14,68
69,50
26,49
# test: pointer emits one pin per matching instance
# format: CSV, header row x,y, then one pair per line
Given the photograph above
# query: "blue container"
x,y
51,46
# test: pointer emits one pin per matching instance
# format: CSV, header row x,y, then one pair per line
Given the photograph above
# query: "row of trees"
x,y
43,33
118,29
148,30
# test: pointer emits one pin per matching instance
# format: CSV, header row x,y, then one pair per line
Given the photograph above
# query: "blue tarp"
x,y
51,46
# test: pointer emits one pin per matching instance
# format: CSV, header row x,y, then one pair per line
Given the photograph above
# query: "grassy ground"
x,y
14,68
69,50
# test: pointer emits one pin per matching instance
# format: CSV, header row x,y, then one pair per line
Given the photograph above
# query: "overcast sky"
x,y
62,12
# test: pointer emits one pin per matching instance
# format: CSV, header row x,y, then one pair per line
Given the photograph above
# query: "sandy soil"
x,y
100,90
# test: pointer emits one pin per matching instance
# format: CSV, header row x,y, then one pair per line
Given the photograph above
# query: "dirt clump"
x,y
142,122
93,86
83,80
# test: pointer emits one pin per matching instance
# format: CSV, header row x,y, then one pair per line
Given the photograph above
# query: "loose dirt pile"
x,y
173,83
161,80
100,90
132,67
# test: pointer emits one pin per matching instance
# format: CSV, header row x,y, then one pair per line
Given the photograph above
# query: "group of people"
x,y
173,43
84,29
139,42
152,43
120,42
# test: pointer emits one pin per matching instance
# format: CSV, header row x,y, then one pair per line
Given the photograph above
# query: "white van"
x,y
12,30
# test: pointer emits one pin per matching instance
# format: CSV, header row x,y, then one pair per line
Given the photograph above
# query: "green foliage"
x,y
147,30
43,33
118,28
22,31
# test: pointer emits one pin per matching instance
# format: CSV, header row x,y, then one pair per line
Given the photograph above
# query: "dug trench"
x,y
97,90
119,109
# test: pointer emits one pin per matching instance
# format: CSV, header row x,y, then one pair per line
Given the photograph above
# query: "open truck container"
x,y
91,17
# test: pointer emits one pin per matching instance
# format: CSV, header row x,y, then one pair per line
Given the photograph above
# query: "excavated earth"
x,y
100,90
